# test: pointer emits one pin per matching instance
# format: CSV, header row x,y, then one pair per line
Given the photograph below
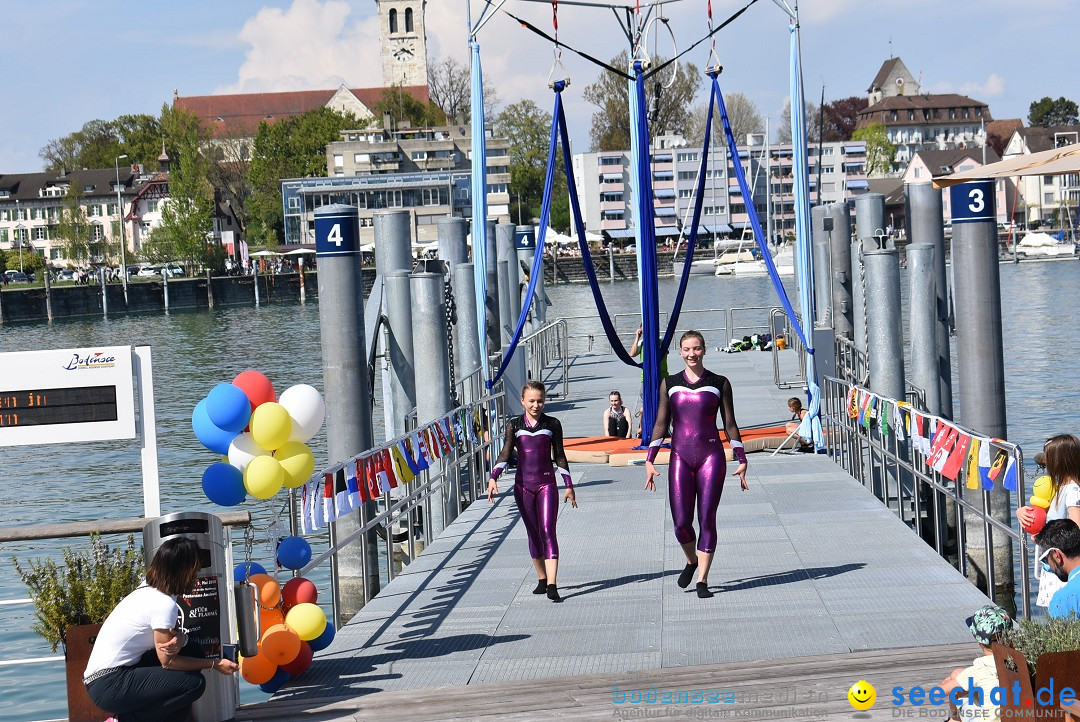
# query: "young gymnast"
x,y
538,440
690,400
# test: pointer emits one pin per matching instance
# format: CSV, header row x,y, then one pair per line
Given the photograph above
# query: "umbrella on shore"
x,y
265,252
299,252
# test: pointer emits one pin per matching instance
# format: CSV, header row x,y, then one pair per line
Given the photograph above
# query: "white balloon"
x,y
307,409
243,449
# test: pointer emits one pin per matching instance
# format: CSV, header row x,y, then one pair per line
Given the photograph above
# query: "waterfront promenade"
x,y
817,586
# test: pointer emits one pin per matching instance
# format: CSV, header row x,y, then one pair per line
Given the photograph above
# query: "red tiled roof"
x,y
241,114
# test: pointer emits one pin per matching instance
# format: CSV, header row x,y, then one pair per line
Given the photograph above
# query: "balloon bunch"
x,y
293,626
1042,493
261,437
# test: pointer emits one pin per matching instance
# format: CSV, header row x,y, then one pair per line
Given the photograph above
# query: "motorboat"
x,y
1044,246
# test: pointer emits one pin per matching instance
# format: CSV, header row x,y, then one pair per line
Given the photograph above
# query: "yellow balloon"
x,y
1044,489
297,461
1039,501
271,425
307,620
264,477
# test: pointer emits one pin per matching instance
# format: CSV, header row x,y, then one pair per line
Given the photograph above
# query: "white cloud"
x,y
309,45
992,87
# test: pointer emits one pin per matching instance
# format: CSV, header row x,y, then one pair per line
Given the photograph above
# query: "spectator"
x,y
977,681
1061,540
616,418
794,405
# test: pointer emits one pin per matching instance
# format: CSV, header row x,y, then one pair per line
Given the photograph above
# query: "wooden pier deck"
x,y
817,586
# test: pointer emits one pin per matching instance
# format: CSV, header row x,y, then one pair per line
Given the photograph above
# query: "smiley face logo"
x,y
862,695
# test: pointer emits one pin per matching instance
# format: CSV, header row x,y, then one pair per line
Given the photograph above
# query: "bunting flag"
x,y
422,452
932,429
985,464
400,458
357,491
319,504
368,479
305,518
406,452
478,426
459,428
997,468
883,417
442,435
383,482
942,445
383,467
853,402
328,510
898,420
342,503
972,478
1009,482
421,460
959,454
863,403
431,443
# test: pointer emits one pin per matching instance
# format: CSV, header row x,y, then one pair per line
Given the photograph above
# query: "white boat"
x,y
784,262
697,268
1042,245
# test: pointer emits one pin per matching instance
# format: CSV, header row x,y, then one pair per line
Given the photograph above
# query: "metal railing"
x,y
852,366
407,518
544,346
781,324
939,509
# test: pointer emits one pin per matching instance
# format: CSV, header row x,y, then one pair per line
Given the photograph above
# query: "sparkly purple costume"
x,y
698,464
535,490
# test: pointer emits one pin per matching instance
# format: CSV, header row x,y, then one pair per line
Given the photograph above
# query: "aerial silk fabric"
x,y
479,203
810,428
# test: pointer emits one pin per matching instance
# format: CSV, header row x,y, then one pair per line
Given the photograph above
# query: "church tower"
x,y
403,42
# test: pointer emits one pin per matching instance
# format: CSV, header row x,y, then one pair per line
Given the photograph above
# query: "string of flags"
x,y
341,490
956,453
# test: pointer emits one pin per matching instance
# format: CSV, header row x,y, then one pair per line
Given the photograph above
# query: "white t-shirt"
x,y
983,674
1067,495
128,632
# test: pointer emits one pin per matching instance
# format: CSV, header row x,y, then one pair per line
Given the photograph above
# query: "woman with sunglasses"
x,y
1061,455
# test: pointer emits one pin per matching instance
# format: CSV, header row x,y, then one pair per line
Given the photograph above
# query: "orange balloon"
x,y
270,617
280,644
269,589
257,669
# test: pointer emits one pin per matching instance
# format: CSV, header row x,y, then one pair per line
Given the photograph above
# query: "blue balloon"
x,y
209,435
293,552
323,640
228,407
244,570
280,677
223,484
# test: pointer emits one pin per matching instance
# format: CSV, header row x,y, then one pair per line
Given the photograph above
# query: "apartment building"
x,y
1052,199
929,164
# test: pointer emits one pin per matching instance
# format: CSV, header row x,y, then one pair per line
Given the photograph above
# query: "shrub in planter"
x,y
1036,638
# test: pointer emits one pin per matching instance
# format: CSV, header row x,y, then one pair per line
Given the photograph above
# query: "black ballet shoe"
x,y
703,590
553,593
541,586
687,575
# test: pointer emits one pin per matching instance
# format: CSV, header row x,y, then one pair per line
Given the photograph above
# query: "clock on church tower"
x,y
403,39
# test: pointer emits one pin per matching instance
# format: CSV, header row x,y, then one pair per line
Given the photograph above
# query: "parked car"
x,y
16,277
66,274
173,270
148,272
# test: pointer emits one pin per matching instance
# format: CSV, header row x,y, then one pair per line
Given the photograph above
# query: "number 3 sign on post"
x,y
972,202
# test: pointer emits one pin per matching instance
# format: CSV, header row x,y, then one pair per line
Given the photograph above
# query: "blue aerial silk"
x,y
479,203
810,428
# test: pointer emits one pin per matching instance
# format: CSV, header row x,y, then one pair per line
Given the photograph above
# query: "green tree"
x,y
98,143
879,151
186,217
670,109
402,106
528,128
140,139
291,148
1048,112
73,228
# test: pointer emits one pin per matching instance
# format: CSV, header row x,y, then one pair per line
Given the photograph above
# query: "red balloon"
x,y
1038,522
302,661
299,591
256,386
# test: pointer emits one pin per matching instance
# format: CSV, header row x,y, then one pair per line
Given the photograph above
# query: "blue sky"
x,y
75,60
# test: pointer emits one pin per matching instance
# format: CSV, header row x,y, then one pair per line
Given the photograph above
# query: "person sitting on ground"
x,y
616,418
143,668
987,625
1061,540
794,405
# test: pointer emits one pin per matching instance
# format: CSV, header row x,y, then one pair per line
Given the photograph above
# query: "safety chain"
x,y
451,315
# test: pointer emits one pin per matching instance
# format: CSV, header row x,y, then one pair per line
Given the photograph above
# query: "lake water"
x,y
194,351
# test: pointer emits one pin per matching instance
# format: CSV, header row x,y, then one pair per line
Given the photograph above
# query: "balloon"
x,y
228,407
243,449
293,552
301,662
307,620
257,669
280,644
307,409
271,425
280,677
1042,492
270,617
297,461
263,477
269,591
323,640
1038,522
244,570
255,386
224,484
209,435
299,591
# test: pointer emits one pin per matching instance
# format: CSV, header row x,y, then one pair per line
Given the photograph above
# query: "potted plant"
x,y
72,598
1043,657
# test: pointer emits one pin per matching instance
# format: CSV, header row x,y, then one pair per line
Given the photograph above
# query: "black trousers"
x,y
147,692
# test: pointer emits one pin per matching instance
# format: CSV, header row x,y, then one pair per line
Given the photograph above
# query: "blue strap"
x,y
759,235
545,213
479,204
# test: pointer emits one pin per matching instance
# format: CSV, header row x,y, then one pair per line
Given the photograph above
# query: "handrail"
x,y
900,476
795,344
546,344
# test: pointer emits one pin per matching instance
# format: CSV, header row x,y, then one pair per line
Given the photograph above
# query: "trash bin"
x,y
207,610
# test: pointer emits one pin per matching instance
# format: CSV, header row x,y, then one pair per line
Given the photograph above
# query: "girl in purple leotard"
x,y
690,400
538,440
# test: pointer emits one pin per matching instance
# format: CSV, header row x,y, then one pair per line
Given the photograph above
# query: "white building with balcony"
x,y
1051,199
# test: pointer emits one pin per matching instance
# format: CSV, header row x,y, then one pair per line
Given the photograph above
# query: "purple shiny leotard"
x,y
535,490
698,464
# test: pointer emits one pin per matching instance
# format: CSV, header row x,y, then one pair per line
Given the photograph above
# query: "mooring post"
x,y
839,235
